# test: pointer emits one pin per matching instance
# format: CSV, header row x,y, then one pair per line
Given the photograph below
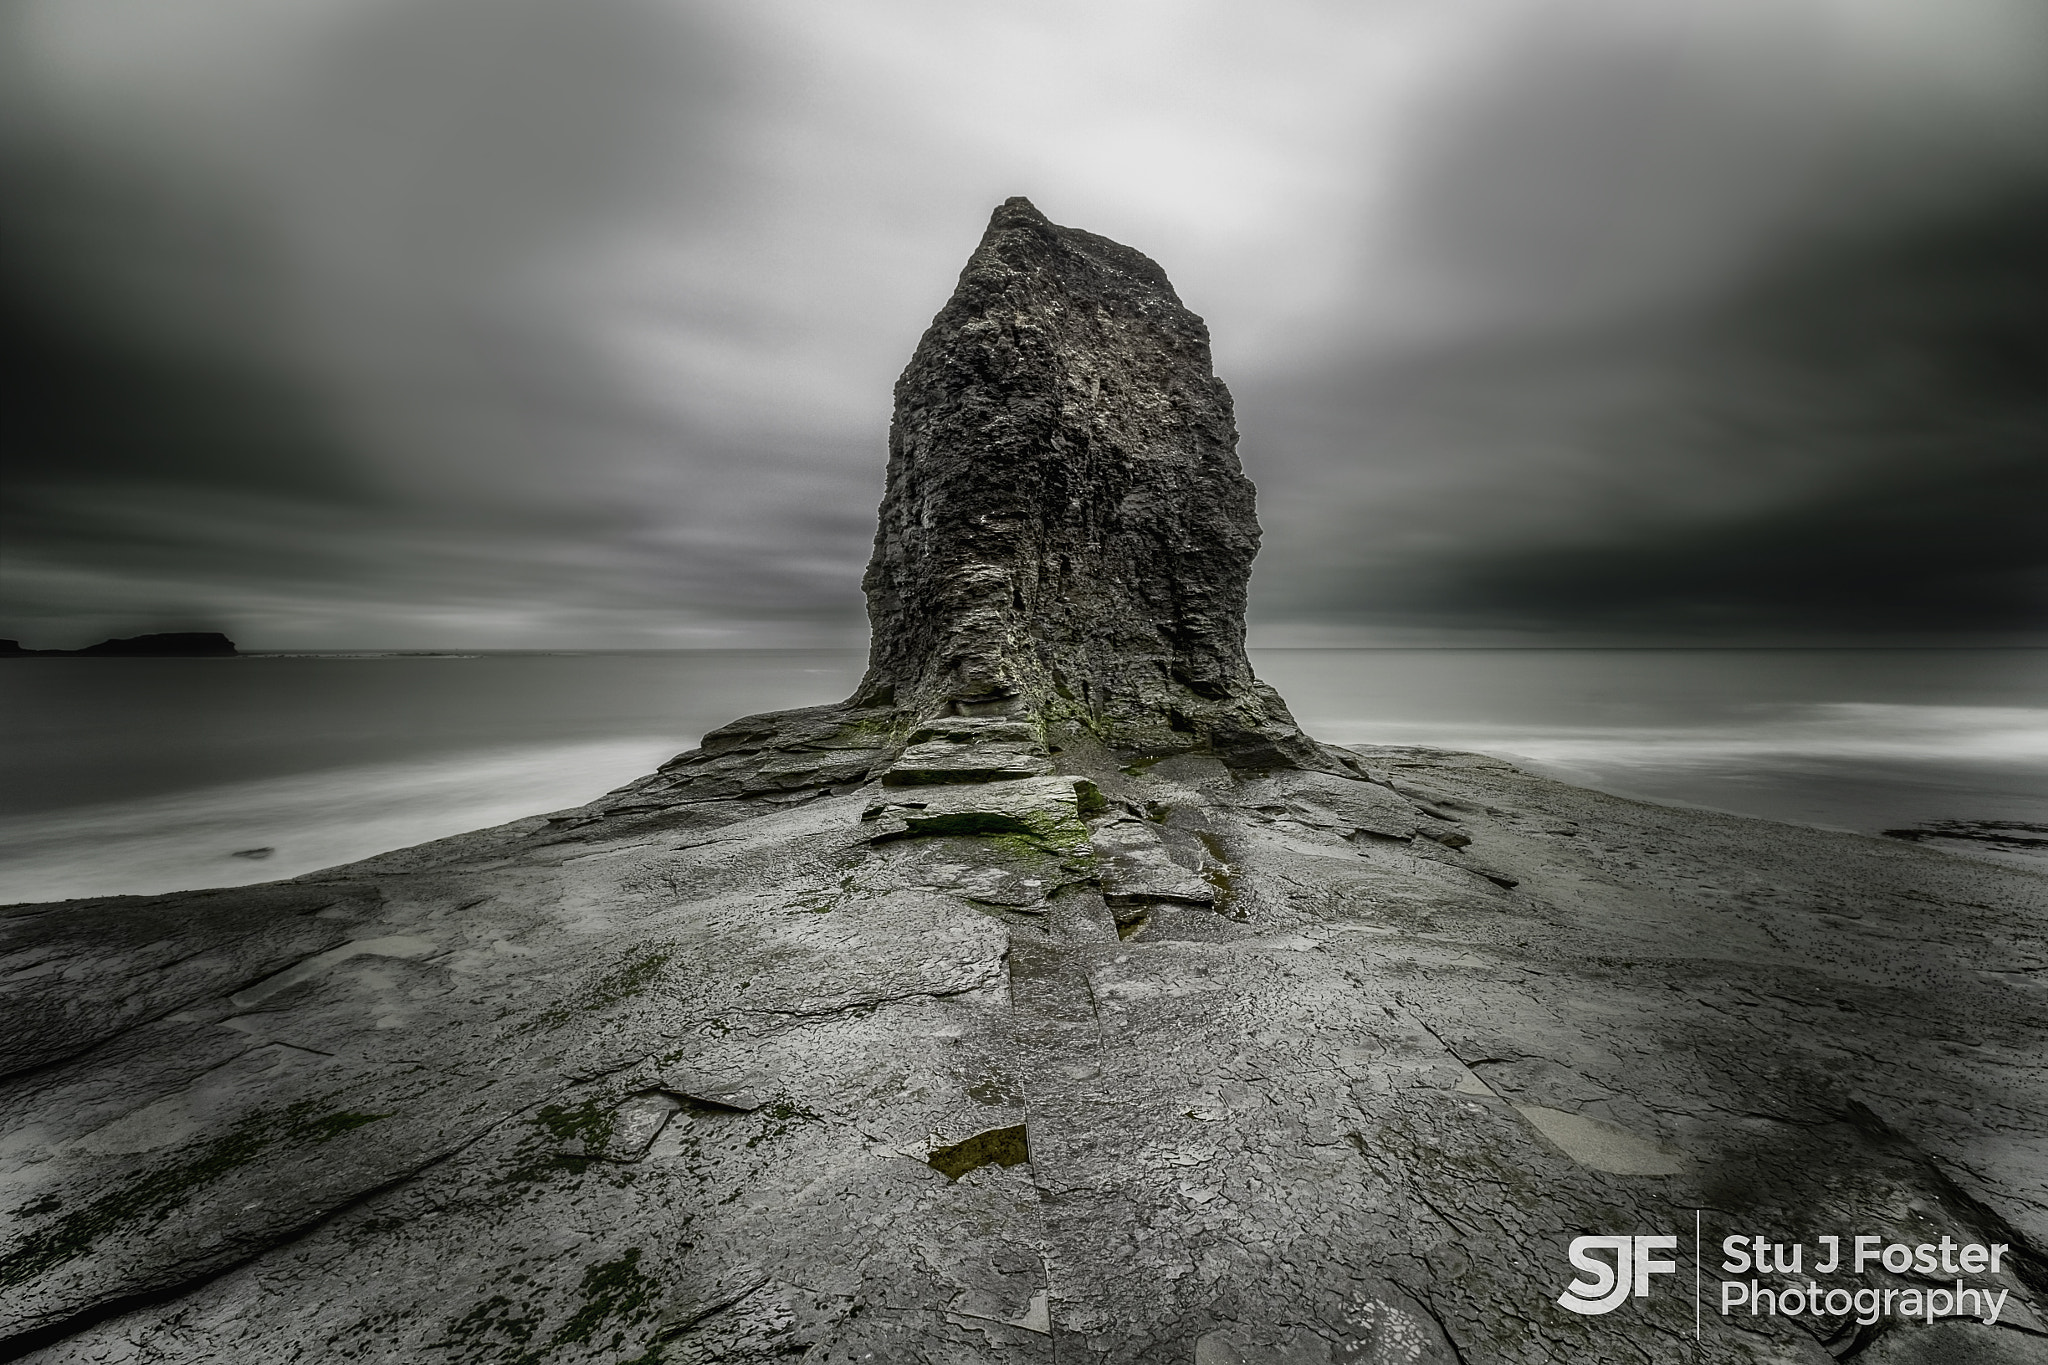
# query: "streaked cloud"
x,y
358,322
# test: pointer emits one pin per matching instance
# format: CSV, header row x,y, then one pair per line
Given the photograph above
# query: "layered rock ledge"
x,y
1053,999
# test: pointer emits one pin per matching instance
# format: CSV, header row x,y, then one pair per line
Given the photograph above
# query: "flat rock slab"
x,y
1045,811
746,1080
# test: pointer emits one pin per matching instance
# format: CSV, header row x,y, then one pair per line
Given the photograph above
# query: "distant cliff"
x,y
189,644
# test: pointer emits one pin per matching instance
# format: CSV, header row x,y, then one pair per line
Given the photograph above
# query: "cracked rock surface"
x,y
961,1024
748,1079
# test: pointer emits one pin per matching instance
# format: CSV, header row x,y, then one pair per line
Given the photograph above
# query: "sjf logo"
x,y
1610,1284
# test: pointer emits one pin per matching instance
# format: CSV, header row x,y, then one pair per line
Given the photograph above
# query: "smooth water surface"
x,y
138,775
135,775
1857,739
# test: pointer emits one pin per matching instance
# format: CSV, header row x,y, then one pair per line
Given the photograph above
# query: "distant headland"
x,y
189,644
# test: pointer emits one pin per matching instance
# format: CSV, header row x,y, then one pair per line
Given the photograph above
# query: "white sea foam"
x,y
2015,735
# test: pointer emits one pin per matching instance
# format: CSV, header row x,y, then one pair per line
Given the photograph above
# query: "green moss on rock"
x,y
149,1199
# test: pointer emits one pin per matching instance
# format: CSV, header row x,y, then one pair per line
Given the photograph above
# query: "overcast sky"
x,y
572,323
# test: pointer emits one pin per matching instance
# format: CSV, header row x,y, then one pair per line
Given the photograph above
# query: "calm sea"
x,y
139,775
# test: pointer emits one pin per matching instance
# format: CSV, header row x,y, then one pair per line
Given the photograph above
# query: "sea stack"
x,y
1052,999
1063,549
1067,537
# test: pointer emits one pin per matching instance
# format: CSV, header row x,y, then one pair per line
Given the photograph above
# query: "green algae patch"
x,y
589,1123
512,1324
1032,830
866,732
1217,873
1044,811
616,1294
780,1118
615,1297
158,1193
539,1157
996,1147
624,983
615,987
1062,832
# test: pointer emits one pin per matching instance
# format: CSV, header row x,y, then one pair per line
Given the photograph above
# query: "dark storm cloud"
x,y
315,371
1856,444
1919,551
519,322
1594,161
1738,336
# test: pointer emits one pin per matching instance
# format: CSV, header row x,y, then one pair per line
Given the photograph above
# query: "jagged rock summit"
x,y
1051,1000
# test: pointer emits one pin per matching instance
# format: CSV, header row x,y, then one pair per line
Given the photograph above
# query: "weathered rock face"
x,y
1062,554
895,1031
1067,535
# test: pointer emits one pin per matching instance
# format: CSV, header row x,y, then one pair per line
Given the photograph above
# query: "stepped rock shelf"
x,y
1053,999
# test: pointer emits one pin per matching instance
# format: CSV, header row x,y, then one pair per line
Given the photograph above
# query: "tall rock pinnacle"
x,y
1067,535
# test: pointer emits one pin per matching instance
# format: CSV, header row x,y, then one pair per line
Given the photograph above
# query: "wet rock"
x,y
1044,811
1137,870
1336,803
740,1094
625,1133
83,972
2004,836
969,749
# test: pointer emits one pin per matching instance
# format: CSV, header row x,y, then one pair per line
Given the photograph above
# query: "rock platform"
x,y
1336,1077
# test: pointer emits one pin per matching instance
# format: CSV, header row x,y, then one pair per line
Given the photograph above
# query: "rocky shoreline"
x,y
738,1075
1052,999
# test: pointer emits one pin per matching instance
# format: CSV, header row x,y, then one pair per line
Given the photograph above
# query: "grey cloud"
x,y
533,323
1858,444
1598,160
455,141
325,359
